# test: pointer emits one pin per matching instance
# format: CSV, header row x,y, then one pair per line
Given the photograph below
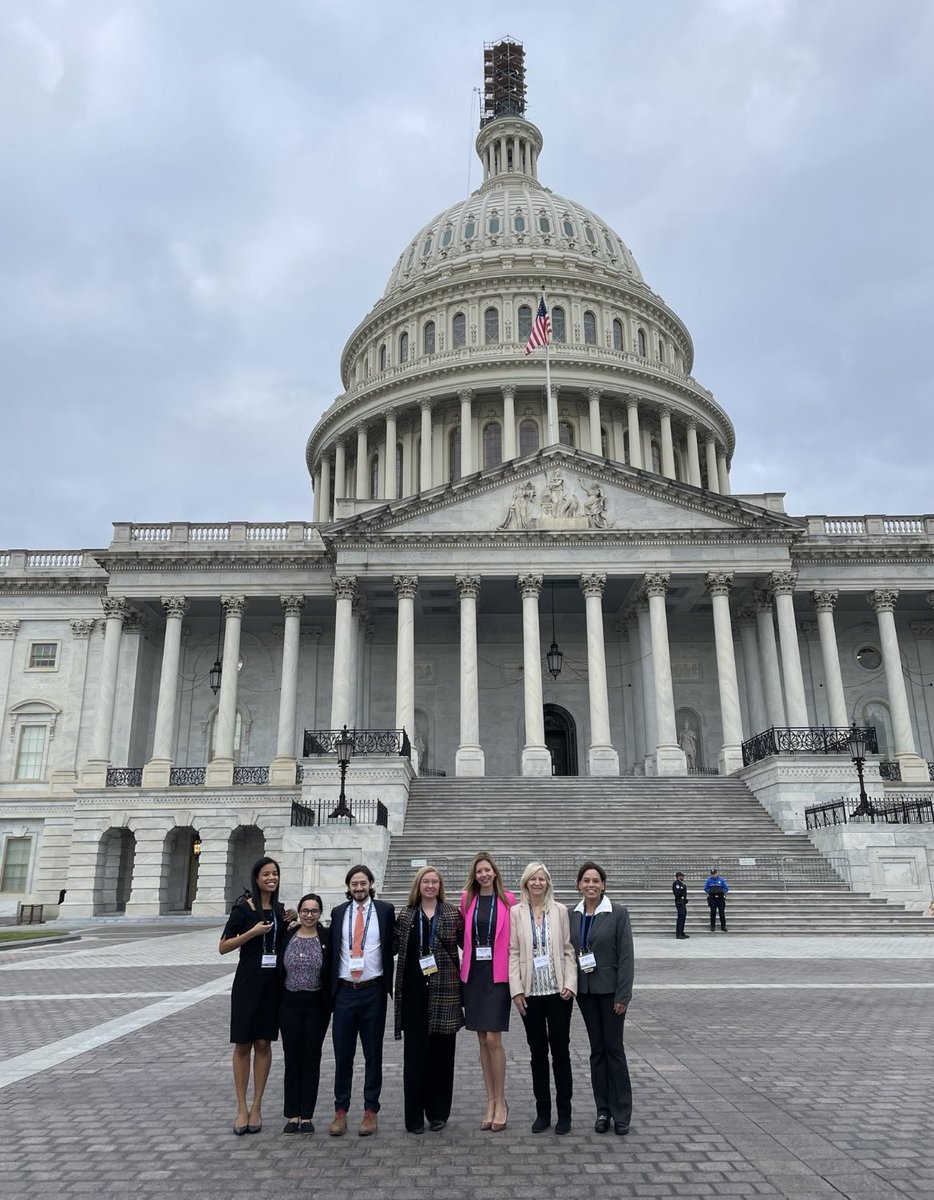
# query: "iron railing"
x,y
187,776
362,812
890,769
302,815
125,777
248,775
365,741
431,773
893,810
822,739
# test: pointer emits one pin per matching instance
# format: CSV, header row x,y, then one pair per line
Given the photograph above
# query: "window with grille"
x,y
558,325
43,655
524,322
455,450
30,753
459,330
492,444
403,347
617,334
14,876
565,433
590,329
429,338
491,326
528,436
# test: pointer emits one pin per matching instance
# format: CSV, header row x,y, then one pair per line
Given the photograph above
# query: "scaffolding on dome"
x,y
503,80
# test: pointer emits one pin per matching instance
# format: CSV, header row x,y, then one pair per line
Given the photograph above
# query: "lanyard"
x,y
489,928
423,921
586,925
275,929
366,926
535,946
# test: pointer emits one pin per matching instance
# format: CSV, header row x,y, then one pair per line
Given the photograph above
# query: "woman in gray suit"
x,y
602,939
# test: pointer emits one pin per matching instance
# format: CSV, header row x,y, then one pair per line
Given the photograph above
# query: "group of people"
x,y
446,967
715,889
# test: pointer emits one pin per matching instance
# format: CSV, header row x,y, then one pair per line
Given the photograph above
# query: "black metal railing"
x,y
890,769
820,739
249,775
362,812
431,773
703,771
893,810
365,741
187,776
125,777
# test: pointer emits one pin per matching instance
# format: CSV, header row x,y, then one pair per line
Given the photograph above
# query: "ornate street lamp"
x,y
214,675
343,744
554,657
857,744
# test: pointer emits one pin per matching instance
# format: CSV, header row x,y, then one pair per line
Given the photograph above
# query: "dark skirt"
x,y
486,1004
254,1003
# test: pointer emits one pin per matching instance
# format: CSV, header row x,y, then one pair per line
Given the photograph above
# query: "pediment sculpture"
x,y
557,507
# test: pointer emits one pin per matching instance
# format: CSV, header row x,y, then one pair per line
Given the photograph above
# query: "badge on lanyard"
x,y
541,962
428,964
587,961
356,964
268,960
483,953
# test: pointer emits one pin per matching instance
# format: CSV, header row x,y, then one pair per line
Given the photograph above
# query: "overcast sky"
x,y
201,198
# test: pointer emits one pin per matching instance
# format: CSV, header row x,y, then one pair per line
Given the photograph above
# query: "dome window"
x,y
493,226
470,230
558,325
544,224
447,237
518,223
524,322
608,242
410,259
640,338
617,334
428,338
590,329
491,326
528,436
454,451
459,330
604,441
588,234
403,347
661,351
568,228
565,433
399,454
492,444
382,357
374,477
426,249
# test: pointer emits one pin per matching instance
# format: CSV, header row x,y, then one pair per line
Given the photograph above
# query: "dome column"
x,y
602,759
593,404
635,436
406,589
465,395
324,507
668,449
340,470
316,489
669,757
824,602
425,460
713,471
389,458
730,758
469,759
361,488
914,769
694,475
536,758
509,423
723,475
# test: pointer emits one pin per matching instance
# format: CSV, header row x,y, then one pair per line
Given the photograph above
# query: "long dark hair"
x,y
254,885
472,888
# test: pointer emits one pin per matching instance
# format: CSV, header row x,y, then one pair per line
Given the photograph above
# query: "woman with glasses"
x,y
304,1014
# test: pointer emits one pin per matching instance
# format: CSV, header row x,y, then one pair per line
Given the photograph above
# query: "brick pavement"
x,y
760,1068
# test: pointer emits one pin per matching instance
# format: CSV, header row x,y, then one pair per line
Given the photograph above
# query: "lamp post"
x,y
344,747
857,744
554,657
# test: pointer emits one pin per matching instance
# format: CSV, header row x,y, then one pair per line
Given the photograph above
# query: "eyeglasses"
x,y
309,912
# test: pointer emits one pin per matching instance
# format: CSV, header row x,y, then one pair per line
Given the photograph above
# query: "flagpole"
x,y
550,402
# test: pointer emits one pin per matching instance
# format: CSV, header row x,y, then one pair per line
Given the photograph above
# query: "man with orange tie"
x,y
359,962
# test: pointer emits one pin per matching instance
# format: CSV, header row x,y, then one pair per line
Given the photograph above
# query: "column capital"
x,y
8,628
824,599
593,583
663,410
292,605
468,586
762,600
719,583
782,583
593,394
509,391
883,599
345,586
388,413
114,606
632,400
81,627
656,583
691,423
234,606
529,584
405,586
426,403
362,428
175,606
465,395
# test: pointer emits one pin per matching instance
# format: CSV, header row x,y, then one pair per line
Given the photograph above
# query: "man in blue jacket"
x,y
716,888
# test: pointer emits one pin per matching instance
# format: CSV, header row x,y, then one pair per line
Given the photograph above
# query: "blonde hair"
x,y
472,888
414,892
536,868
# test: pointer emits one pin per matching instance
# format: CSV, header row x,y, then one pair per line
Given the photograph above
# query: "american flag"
x,y
541,330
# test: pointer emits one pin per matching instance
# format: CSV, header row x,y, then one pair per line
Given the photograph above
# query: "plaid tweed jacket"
x,y
445,1003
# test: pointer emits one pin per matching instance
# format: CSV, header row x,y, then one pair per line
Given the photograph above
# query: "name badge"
x,y
356,964
428,964
541,962
484,953
268,960
587,962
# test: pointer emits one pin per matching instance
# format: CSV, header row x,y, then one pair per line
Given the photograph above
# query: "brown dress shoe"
x,y
368,1124
339,1124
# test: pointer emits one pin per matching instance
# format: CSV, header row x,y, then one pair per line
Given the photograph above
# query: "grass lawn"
x,y
27,934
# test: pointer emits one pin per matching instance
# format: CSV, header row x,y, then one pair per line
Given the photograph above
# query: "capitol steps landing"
x,y
642,830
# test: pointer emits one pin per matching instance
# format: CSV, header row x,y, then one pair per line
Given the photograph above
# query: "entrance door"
x,y
561,740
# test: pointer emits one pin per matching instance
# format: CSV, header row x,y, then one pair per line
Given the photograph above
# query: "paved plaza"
x,y
774,1067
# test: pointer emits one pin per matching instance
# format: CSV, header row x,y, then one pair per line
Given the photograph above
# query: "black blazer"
x,y
386,921
611,942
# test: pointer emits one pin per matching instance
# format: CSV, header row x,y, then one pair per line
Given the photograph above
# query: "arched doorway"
x,y
561,740
180,854
113,876
245,845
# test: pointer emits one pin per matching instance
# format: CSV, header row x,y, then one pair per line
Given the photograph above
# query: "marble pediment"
x,y
564,493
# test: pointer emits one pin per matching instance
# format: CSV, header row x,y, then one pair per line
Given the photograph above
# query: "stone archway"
x,y
245,845
180,854
561,740
113,875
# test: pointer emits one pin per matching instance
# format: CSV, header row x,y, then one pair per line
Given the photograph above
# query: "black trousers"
x,y
358,1012
609,1071
427,1075
303,1022
681,910
547,1023
717,907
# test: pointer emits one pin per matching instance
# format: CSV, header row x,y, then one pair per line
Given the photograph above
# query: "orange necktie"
x,y
356,950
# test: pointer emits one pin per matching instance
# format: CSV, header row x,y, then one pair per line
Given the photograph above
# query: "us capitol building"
x,y
167,700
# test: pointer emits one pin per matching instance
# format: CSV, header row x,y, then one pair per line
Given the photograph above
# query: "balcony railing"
x,y
362,812
823,739
365,741
893,810
125,777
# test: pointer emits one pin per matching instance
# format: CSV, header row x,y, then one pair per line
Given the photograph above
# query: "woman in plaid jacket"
x,y
428,1005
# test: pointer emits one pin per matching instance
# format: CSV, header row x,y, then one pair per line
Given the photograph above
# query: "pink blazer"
x,y
500,940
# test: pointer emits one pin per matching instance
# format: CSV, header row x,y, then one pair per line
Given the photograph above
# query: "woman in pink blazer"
x,y
485,906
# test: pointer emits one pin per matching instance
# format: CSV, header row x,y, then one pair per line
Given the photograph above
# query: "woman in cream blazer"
x,y
543,983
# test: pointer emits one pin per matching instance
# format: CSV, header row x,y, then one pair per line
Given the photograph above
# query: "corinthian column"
x,y
768,650
340,470
730,758
466,398
425,460
602,758
94,771
282,767
669,757
646,687
406,588
363,466
389,458
469,759
345,589
536,759
824,602
713,470
914,769
694,475
593,405
156,771
509,422
668,449
221,767
324,509
635,436
755,699
783,586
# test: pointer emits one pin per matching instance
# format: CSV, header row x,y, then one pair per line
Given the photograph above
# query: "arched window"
x,y
426,248
558,327
492,444
624,457
454,448
470,229
604,441
491,326
544,223
588,234
640,337
524,322
493,223
568,227
459,330
617,334
656,457
429,337
398,468
403,347
528,436
565,433
447,237
590,329
417,465
661,350
608,242
374,476
518,223
382,357
680,473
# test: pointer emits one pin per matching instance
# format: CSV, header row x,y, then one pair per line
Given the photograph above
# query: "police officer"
x,y
680,892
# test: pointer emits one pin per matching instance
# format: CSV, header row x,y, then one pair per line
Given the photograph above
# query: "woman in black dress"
x,y
255,927
304,1014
